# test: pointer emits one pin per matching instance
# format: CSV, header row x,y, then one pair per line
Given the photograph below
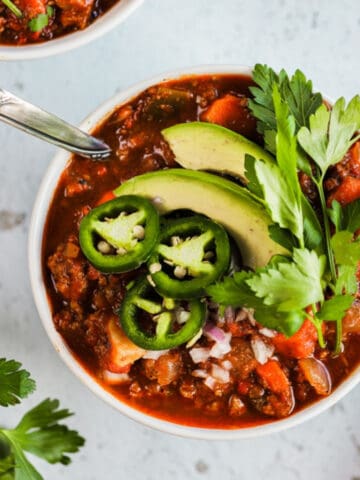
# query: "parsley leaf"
x,y
346,280
236,292
291,286
331,133
297,92
15,383
40,434
335,308
345,250
351,216
336,215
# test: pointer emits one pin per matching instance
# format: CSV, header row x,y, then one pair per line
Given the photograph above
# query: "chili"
x,y
163,313
119,235
194,252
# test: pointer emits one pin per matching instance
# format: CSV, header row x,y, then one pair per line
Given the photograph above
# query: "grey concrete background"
x,y
322,38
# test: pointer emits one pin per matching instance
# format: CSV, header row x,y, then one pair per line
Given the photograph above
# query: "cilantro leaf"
x,y
282,236
38,429
236,292
15,383
291,286
40,434
313,233
281,202
250,173
346,251
335,308
300,98
351,216
297,92
346,280
336,215
331,133
287,323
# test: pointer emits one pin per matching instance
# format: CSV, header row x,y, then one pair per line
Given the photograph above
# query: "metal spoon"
x,y
48,127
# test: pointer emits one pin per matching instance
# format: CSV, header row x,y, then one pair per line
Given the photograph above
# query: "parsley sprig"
x,y
38,432
303,135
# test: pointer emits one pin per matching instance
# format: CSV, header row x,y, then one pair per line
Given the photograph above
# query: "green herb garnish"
x,y
41,21
303,135
11,6
39,431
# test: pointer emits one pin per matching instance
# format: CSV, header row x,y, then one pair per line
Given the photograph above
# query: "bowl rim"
x,y
114,16
37,223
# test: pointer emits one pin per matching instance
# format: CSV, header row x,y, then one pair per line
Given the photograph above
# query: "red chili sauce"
x,y
85,302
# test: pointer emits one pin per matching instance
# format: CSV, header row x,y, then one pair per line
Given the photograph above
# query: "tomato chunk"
x,y
123,352
273,376
32,8
348,191
355,159
231,112
300,345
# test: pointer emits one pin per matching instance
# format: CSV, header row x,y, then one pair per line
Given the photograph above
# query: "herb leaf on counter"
x,y
15,383
39,431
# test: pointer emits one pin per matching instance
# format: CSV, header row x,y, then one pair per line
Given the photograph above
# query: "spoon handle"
x,y
48,127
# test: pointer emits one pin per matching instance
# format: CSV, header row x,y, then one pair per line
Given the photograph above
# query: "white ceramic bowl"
x,y
99,27
40,210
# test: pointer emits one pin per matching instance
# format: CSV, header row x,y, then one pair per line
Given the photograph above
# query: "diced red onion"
x,y
219,349
213,332
115,378
199,373
316,374
251,318
199,355
229,314
241,315
267,332
181,316
226,364
262,351
220,374
210,382
154,354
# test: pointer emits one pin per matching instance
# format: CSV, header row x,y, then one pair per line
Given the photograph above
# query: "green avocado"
x,y
206,146
242,215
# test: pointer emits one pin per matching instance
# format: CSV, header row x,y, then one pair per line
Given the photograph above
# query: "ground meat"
x,y
236,406
166,369
68,268
242,358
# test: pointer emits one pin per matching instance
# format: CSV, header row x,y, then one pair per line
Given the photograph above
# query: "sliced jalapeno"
x,y
119,235
156,323
193,253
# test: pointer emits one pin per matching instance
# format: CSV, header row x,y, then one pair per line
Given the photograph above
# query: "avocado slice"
x,y
206,146
242,215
